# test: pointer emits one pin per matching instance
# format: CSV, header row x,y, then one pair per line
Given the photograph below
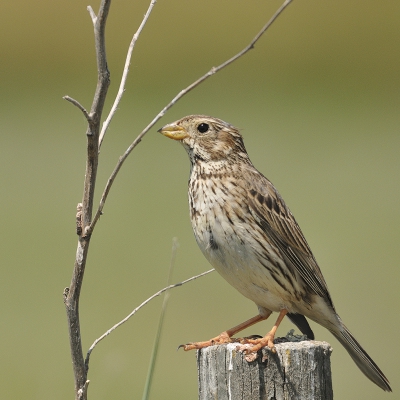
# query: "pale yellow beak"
x,y
173,131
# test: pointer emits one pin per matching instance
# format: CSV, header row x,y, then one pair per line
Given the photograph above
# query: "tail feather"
x,y
361,358
301,322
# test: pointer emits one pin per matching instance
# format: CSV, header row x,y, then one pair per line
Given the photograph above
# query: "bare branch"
x,y
92,14
82,393
71,296
213,70
253,42
137,309
121,89
80,106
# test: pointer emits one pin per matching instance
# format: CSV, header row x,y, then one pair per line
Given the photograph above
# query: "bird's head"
x,y
207,139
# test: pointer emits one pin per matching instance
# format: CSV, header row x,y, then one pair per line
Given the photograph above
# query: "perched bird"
x,y
248,234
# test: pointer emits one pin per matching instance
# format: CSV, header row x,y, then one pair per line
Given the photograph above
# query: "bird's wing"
x,y
275,218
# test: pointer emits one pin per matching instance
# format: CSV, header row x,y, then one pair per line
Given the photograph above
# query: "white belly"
x,y
238,262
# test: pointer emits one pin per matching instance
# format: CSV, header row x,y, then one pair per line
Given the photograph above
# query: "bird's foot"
x,y
258,344
223,338
251,346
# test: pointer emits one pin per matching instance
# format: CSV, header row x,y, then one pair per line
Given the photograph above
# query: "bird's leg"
x,y
268,339
225,337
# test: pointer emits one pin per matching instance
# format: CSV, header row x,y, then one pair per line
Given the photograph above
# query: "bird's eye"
x,y
203,127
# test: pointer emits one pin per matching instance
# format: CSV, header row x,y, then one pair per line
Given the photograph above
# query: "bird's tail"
x,y
361,358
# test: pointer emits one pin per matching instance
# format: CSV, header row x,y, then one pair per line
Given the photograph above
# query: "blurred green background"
x,y
318,104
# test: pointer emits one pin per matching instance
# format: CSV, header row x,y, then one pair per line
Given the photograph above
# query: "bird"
x,y
248,234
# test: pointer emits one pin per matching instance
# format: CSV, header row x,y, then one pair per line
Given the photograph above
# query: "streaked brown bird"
x,y
248,234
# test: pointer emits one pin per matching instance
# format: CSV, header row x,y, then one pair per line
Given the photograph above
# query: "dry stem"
x,y
121,89
137,309
71,295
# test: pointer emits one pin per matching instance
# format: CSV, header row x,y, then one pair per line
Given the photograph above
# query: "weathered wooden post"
x,y
297,371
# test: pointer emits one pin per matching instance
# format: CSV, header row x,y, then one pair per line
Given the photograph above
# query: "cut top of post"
x,y
297,371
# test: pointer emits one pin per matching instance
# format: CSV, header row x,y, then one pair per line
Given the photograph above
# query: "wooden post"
x,y
297,371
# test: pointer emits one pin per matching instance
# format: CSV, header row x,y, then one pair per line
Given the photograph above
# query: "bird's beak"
x,y
174,131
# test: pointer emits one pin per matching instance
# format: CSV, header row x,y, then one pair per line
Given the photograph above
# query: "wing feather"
x,y
277,221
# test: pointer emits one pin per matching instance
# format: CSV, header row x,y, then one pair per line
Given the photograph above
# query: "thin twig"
x,y
137,309
80,106
92,14
121,89
182,93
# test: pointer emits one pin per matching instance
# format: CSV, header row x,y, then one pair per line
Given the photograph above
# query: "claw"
x,y
257,344
188,346
220,339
